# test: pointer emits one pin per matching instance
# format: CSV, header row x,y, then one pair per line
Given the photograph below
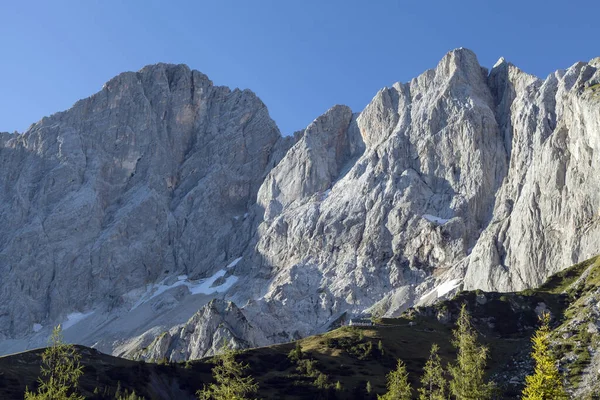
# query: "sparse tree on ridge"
x,y
60,371
546,382
231,380
468,372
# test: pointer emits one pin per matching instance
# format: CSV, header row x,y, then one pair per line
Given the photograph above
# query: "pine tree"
x,y
433,381
546,382
468,372
231,380
60,371
397,384
296,353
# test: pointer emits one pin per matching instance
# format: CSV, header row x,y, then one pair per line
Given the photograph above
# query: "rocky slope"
x,y
136,207
354,356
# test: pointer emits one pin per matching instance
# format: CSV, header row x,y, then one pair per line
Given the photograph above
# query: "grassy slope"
x,y
504,320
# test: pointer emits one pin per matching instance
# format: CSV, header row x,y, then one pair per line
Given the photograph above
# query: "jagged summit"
x,y
126,214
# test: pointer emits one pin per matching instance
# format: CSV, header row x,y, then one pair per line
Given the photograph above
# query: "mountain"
x,y
354,356
123,217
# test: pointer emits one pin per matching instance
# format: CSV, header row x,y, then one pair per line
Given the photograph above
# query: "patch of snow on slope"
x,y
75,318
434,219
37,327
234,263
203,286
206,286
444,288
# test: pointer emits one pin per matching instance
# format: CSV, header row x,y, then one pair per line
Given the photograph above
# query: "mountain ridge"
x,y
143,192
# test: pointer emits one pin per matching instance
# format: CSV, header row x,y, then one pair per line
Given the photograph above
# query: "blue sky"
x,y
300,57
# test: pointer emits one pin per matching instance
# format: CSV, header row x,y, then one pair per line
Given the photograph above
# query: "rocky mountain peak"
x,y
127,214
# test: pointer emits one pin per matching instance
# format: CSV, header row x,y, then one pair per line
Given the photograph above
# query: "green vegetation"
x,y
467,372
296,354
231,382
127,396
60,371
355,345
546,382
398,387
345,362
433,383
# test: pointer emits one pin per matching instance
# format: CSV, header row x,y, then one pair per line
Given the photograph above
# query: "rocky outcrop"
x,y
135,208
217,325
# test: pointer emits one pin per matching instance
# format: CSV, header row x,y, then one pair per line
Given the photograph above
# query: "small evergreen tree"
x,y
369,388
231,380
60,371
338,386
468,372
296,353
433,381
546,382
397,384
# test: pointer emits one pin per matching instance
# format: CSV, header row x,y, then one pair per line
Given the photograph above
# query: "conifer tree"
x,y
296,353
231,380
433,381
60,371
397,384
546,382
468,372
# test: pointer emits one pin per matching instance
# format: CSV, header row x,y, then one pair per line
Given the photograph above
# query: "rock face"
x,y
130,204
217,324
546,213
143,180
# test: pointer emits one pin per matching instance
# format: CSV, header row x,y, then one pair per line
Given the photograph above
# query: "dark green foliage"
x,y
296,353
231,380
433,383
468,371
398,387
355,345
60,371
307,367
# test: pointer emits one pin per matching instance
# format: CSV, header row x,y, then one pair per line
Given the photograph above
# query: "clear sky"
x,y
301,57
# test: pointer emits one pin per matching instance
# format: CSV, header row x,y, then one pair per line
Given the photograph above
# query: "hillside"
x,y
505,321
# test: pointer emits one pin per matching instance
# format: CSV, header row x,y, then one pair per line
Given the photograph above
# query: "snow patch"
x,y
443,289
446,287
234,263
75,318
37,327
206,286
434,219
202,286
500,61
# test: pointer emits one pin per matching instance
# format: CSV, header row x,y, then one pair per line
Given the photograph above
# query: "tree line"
x,y
463,379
